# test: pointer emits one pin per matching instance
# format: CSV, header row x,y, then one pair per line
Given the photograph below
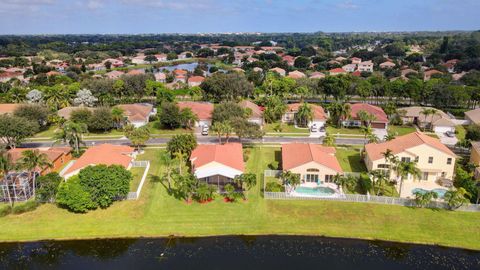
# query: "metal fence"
x,y
136,194
367,199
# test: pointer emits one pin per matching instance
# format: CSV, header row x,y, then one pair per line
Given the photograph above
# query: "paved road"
x,y
207,140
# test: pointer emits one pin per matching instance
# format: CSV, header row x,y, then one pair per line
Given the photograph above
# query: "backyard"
x,y
158,214
350,159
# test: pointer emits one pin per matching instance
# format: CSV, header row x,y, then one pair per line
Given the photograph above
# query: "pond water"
x,y
265,252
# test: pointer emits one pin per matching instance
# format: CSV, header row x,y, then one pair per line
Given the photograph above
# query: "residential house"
x,y
161,57
337,71
8,108
280,71
317,75
257,69
349,67
106,154
427,75
138,114
66,112
296,74
356,60
114,74
217,164
407,71
57,156
380,122
366,66
256,115
440,121
160,77
473,116
319,115
475,158
203,110
135,72
387,64
340,59
289,59
434,160
313,162
7,76
195,81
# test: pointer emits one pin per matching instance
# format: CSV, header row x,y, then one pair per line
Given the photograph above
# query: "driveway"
x,y
445,139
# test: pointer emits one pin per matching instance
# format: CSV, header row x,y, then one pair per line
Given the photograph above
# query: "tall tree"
x,y
32,160
72,134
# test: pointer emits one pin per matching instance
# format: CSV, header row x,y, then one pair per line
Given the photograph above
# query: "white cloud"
x,y
23,5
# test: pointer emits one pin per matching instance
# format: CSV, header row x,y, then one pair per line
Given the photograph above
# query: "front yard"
x,y
401,130
285,128
158,214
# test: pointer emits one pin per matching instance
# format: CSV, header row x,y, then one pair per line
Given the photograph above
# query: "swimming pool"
x,y
440,191
316,191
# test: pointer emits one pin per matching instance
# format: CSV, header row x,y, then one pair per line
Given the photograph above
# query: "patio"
x,y
408,186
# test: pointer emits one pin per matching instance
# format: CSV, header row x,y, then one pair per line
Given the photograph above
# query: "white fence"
x,y
136,194
367,199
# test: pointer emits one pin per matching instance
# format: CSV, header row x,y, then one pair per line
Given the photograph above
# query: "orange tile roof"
x,y
180,72
297,154
196,79
203,110
296,74
8,108
137,111
256,111
53,153
337,70
229,154
318,112
402,143
107,154
371,109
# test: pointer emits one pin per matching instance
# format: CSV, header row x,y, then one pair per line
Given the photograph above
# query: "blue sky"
x,y
194,16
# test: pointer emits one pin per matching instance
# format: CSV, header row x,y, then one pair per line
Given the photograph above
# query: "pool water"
x,y
440,191
318,191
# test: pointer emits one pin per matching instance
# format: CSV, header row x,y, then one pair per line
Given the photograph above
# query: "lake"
x,y
262,252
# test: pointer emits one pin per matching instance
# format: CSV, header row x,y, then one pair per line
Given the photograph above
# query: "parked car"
x,y
205,130
450,134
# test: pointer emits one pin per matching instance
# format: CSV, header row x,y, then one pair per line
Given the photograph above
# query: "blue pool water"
x,y
440,191
318,191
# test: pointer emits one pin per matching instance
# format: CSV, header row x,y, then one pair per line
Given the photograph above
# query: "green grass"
x,y
350,131
48,132
137,173
286,128
401,130
157,214
460,132
349,159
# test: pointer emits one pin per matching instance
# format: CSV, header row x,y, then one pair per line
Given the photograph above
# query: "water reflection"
x,y
245,252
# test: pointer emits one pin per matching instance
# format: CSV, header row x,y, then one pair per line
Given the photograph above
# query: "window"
x,y
383,166
405,159
313,170
416,159
425,176
430,160
313,178
329,178
449,161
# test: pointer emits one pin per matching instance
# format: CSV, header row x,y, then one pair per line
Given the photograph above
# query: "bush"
x,y
25,207
48,187
5,210
72,195
273,165
473,133
274,187
246,154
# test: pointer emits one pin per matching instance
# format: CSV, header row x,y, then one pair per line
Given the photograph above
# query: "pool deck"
x,y
338,191
408,186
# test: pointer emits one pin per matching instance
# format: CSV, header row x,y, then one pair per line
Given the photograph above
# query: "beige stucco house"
x,y
475,158
315,163
434,159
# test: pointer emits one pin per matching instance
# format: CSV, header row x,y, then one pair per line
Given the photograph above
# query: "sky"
x,y
219,16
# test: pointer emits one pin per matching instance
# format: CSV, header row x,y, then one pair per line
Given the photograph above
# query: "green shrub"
x,y
72,195
25,207
5,210
273,165
246,154
274,187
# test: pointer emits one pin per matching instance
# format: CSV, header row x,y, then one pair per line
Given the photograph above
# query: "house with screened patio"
x,y
316,164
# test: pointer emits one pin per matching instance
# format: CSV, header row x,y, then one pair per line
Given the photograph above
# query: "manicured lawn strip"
x,y
333,130
137,173
349,159
460,132
48,132
401,130
157,214
286,128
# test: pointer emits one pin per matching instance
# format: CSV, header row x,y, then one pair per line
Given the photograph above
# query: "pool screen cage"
x,y
17,187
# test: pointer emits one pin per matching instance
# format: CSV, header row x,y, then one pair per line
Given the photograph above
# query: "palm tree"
x,y
389,159
57,98
367,133
346,182
390,136
304,114
423,199
426,112
167,161
366,118
180,157
72,133
329,140
406,169
290,179
227,130
6,165
117,116
456,198
188,117
31,160
217,127
378,180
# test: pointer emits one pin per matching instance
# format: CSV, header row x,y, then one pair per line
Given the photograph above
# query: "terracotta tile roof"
x,y
317,75
67,111
297,154
402,143
137,111
53,153
474,115
196,79
296,74
318,112
371,109
256,111
180,72
107,154
8,107
9,74
278,70
229,154
337,70
357,73
203,110
136,72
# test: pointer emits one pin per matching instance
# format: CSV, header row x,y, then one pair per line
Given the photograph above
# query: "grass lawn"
x,y
460,132
349,158
155,131
286,128
401,130
351,131
157,214
137,173
47,133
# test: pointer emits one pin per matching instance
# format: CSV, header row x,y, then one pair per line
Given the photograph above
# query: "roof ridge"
x,y
310,150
